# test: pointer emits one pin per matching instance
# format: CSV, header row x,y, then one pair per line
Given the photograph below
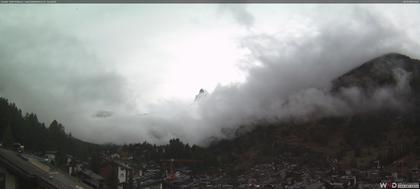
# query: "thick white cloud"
x,y
114,73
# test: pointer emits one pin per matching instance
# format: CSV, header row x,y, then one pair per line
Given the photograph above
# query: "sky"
x,y
129,73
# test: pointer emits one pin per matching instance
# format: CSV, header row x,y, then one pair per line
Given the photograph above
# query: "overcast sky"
x,y
128,73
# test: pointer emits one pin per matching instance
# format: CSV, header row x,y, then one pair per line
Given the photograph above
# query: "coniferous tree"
x,y
8,138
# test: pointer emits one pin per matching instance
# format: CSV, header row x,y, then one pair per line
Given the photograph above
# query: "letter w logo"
x,y
385,185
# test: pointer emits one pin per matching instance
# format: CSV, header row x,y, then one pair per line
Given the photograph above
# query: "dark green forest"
x,y
37,137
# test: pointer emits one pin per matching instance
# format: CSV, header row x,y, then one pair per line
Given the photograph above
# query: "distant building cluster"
x,y
120,170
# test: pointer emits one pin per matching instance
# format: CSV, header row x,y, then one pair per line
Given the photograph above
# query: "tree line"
x,y
37,137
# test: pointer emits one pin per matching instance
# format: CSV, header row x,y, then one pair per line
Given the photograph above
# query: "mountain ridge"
x,y
379,72
355,140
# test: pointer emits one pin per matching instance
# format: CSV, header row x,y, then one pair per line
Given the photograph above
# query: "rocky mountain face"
x,y
355,140
384,71
201,94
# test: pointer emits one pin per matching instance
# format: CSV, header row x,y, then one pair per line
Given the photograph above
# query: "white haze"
x,y
288,73
288,76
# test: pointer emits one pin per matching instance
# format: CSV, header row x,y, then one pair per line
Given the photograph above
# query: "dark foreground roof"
x,y
30,169
92,175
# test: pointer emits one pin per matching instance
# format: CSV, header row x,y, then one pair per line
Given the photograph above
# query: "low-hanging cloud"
x,y
288,76
103,114
46,71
